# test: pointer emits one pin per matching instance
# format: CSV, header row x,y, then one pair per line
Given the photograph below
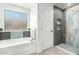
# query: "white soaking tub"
x,y
20,46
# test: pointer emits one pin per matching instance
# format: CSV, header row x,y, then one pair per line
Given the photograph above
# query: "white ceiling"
x,y
24,5
63,5
28,5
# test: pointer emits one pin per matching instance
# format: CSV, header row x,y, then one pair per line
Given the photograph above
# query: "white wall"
x,y
45,25
9,7
30,9
33,16
33,7
34,22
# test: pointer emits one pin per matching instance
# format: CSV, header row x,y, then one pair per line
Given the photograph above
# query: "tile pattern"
x,y
26,33
72,27
14,35
4,35
51,51
69,48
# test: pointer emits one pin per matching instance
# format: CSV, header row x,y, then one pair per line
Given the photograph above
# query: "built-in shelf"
x,y
59,24
58,29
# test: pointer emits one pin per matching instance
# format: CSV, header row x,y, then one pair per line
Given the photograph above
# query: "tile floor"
x,y
52,51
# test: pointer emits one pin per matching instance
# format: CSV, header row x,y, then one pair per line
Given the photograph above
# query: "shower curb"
x,y
65,50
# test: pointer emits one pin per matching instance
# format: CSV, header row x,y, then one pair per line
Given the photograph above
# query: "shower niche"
x,y
59,24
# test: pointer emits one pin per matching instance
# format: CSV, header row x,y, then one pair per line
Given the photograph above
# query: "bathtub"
x,y
22,46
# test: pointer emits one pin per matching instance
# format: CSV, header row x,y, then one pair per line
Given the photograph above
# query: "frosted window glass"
x,y
15,20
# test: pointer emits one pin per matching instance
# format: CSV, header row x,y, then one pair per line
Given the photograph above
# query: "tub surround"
x,y
16,46
13,34
16,42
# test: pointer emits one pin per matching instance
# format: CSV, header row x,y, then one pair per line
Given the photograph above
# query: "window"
x,y
15,20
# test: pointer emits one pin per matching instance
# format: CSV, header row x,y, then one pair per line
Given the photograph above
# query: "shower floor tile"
x,y
69,48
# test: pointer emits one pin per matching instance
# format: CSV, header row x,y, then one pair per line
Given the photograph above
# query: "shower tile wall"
x,y
58,34
72,26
